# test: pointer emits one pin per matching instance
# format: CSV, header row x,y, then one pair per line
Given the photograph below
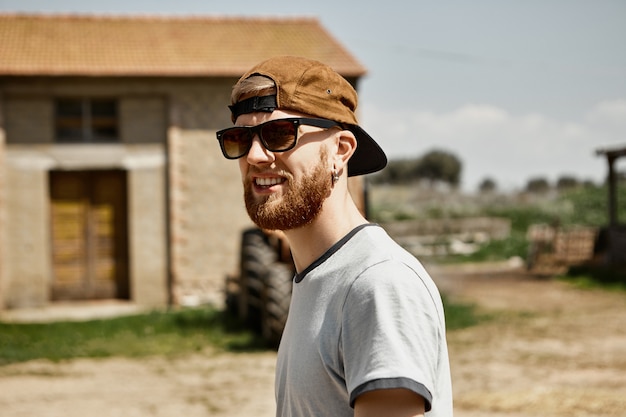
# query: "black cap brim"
x,y
368,157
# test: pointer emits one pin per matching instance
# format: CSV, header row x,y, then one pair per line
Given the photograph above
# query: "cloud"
x,y
509,148
608,114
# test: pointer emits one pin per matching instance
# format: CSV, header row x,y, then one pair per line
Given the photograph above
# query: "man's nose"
x,y
258,153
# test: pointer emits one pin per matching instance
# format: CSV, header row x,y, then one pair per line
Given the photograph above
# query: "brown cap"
x,y
313,88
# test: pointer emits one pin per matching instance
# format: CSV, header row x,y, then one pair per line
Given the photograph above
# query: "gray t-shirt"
x,y
365,316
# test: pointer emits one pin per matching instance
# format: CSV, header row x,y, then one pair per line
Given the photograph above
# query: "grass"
x,y
583,206
493,251
462,315
158,333
596,278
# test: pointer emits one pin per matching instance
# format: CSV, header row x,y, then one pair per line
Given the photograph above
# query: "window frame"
x,y
81,124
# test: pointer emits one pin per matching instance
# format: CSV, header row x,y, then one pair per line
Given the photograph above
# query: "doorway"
x,y
89,235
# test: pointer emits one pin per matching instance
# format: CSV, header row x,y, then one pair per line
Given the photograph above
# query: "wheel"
x,y
256,256
265,286
279,283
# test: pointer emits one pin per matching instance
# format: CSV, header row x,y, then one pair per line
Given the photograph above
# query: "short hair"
x,y
255,85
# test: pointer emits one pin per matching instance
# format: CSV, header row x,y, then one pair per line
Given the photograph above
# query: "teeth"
x,y
268,181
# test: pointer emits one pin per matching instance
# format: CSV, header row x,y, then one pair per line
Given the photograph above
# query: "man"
x,y
365,334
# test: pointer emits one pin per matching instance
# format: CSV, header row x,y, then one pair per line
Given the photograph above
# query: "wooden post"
x,y
612,191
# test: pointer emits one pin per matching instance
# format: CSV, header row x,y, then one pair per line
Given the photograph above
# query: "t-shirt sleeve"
x,y
390,332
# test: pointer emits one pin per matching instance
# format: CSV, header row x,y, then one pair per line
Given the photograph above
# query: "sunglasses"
x,y
278,135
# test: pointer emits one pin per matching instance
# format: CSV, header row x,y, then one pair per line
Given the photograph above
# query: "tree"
x,y
567,182
434,166
588,183
537,185
439,165
487,185
397,171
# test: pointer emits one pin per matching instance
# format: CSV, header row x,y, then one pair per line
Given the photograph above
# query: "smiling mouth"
x,y
268,182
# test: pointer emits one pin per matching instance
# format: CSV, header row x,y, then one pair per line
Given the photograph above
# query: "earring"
x,y
335,177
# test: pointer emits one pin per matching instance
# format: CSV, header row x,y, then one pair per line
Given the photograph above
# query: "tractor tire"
x,y
256,257
264,287
277,298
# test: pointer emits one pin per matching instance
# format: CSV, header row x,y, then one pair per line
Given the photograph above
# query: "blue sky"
x,y
515,89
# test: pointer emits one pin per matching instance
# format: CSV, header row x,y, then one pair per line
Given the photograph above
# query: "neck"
x,y
338,217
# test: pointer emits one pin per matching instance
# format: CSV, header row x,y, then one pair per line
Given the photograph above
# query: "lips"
x,y
268,182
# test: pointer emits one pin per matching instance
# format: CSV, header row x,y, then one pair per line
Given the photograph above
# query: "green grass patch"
x,y
586,277
493,251
157,333
462,315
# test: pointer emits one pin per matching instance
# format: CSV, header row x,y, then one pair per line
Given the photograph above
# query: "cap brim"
x,y
368,157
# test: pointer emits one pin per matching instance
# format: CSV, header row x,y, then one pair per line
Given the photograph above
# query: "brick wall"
x,y
168,140
207,213
2,204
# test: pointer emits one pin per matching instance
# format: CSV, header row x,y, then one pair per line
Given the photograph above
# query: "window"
x,y
86,120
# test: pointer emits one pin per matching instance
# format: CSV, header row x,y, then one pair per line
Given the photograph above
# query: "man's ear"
x,y
346,146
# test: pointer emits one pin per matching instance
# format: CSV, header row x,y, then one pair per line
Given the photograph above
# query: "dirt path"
x,y
551,350
206,384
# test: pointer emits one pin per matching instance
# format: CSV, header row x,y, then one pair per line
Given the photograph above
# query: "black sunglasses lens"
x,y
276,135
236,141
279,135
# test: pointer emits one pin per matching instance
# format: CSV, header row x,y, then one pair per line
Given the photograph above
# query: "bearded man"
x,y
365,335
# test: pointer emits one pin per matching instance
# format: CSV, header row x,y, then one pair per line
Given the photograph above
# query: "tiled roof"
x,y
84,45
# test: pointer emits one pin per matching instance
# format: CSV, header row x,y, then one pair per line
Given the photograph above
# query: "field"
x,y
551,349
544,348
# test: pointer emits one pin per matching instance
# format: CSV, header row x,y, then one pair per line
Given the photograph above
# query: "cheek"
x,y
306,158
243,167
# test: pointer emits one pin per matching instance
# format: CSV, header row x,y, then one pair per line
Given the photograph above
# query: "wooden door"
x,y
89,235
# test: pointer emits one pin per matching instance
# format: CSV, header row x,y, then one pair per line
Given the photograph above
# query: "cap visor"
x,y
368,157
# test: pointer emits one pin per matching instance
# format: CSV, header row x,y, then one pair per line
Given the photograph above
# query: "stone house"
x,y
112,185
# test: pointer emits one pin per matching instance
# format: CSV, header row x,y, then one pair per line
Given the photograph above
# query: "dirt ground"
x,y
551,350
